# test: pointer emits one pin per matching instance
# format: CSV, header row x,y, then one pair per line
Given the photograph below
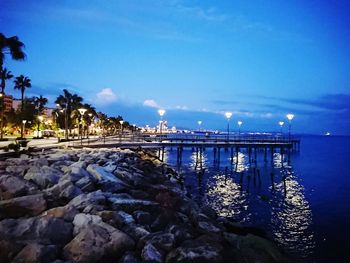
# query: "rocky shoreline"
x,y
112,205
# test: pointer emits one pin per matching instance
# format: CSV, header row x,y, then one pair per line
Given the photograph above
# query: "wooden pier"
x,y
268,145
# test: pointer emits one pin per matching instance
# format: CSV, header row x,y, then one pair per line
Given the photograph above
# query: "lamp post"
x,y
281,123
24,128
133,131
228,116
199,124
40,119
239,127
89,123
121,129
82,112
161,114
290,117
2,98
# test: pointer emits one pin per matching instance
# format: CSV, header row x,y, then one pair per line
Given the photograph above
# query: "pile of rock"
x,y
104,205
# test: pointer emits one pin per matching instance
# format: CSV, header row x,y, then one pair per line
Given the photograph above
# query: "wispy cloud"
x,y
210,14
106,96
243,23
154,22
333,102
150,103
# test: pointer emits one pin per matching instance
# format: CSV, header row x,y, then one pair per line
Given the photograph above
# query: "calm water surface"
x,y
304,206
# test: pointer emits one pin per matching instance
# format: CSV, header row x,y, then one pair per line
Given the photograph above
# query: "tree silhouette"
x,y
69,103
5,75
22,83
12,46
40,103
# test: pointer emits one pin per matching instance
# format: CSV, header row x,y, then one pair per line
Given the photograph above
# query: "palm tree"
x,y
5,75
22,83
40,103
64,102
12,46
69,103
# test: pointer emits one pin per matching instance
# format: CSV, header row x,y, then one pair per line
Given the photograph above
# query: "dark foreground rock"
x,y
112,205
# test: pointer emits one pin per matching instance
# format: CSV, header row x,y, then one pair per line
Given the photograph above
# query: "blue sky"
x,y
197,59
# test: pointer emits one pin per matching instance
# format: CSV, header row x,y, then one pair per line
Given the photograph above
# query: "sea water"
x,y
304,205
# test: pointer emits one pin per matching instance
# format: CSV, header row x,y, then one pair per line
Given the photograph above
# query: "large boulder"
x,y
130,205
43,176
96,244
82,221
61,193
66,212
37,253
29,205
101,175
51,230
13,186
59,156
151,254
18,169
107,181
9,249
202,249
130,177
96,199
86,184
41,161
46,230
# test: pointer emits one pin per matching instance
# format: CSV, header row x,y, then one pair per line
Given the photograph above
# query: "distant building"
x,y
48,112
16,104
8,100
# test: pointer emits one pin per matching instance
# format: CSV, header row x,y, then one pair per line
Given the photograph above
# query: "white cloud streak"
x,y
106,96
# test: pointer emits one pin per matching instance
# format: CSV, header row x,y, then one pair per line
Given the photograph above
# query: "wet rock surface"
x,y
113,205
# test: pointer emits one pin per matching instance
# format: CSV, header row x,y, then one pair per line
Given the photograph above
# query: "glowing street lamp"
x,y
2,115
24,127
228,116
121,130
82,112
161,113
89,123
239,127
290,117
199,124
121,126
133,131
281,123
40,119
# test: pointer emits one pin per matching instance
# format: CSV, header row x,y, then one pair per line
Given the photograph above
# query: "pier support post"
x,y
250,154
255,155
219,156
289,156
282,156
214,155
272,152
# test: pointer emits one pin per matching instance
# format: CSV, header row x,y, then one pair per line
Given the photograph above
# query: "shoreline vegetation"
x,y
113,205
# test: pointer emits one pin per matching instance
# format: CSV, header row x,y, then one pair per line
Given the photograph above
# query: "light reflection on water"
x,y
291,217
271,198
199,161
225,196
